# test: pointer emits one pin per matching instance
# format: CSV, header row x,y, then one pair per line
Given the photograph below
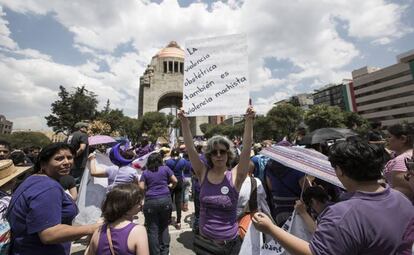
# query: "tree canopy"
x,y
155,124
322,116
285,119
70,108
230,131
20,140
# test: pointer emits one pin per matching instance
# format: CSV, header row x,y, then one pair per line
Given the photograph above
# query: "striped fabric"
x,y
396,164
307,161
4,204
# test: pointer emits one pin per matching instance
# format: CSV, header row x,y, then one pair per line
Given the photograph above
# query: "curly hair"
x,y
358,159
215,140
120,200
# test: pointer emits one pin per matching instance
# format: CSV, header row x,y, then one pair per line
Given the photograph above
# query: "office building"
x,y
386,95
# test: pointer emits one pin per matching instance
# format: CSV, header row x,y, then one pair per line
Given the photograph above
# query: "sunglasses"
x,y
218,152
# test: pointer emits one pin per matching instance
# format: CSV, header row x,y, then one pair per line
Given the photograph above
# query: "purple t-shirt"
x,y
122,175
365,223
157,182
43,204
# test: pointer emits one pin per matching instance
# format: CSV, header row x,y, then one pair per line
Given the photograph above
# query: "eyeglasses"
x,y
218,152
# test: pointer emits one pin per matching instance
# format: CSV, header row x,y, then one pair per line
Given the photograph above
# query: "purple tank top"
x,y
119,240
218,209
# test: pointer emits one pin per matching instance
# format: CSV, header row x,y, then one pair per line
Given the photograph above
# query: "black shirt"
x,y
76,139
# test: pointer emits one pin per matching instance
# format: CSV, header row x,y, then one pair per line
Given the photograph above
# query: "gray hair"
x,y
215,140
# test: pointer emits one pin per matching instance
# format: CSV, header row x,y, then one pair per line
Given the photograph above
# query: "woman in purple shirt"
x,y
157,181
121,172
371,219
219,189
40,212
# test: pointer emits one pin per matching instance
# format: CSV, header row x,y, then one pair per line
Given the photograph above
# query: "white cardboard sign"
x,y
216,76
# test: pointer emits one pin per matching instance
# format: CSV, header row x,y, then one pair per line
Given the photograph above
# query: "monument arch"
x,y
161,85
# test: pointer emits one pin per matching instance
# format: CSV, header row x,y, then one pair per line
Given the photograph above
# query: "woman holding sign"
x,y
220,188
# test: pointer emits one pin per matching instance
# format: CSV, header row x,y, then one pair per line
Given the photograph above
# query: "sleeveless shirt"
x,y
218,209
119,240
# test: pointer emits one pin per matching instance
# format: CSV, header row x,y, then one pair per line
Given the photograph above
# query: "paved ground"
x,y
181,240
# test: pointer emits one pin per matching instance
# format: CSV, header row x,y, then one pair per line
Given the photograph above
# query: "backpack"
x,y
249,209
260,167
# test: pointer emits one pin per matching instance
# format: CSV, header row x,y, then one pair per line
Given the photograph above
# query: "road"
x,y
181,240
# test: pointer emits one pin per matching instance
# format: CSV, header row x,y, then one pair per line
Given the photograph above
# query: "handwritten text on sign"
x,y
216,76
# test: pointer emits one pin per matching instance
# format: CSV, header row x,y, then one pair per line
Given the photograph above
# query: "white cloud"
x,y
304,33
31,53
264,104
29,86
375,19
5,40
33,123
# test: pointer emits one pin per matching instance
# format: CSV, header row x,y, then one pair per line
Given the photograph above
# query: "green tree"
x,y
323,116
263,127
107,107
114,118
155,124
356,122
284,120
70,108
132,128
20,140
204,127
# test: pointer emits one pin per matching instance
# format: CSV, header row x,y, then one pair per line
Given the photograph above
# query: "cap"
x,y
81,125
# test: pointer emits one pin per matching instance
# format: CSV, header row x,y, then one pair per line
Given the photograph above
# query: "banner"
x,y
92,191
255,242
216,76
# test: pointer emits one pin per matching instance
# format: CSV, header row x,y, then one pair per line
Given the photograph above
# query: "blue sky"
x,y
295,46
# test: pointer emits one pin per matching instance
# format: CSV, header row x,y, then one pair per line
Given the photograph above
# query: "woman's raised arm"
x,y
242,167
95,171
198,166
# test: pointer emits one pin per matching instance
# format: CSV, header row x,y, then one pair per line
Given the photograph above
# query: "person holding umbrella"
x,y
361,223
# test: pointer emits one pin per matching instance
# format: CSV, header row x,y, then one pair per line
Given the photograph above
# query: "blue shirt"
x,y
285,180
180,167
42,204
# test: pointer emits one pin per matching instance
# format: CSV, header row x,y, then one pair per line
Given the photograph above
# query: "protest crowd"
x,y
250,197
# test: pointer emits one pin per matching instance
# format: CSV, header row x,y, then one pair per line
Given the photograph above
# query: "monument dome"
x,y
172,50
